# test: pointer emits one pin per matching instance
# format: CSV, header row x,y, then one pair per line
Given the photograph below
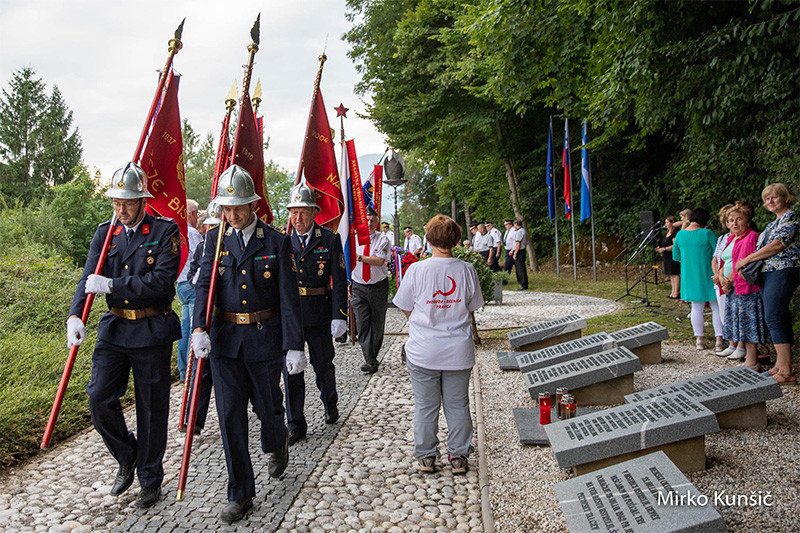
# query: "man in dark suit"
x,y
136,333
322,283
256,320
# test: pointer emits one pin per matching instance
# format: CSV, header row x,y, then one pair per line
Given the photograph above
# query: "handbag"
x,y
752,271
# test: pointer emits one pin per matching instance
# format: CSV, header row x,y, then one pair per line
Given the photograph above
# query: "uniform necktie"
x,y
129,234
303,241
240,239
365,270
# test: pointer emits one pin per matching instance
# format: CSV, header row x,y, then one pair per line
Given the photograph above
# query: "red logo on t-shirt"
x,y
448,293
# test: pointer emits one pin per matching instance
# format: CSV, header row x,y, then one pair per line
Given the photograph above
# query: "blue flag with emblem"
x,y
551,193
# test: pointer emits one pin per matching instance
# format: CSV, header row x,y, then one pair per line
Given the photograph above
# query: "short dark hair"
x,y
443,232
700,215
518,223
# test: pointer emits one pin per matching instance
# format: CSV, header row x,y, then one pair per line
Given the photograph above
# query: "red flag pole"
x,y
212,288
322,58
174,45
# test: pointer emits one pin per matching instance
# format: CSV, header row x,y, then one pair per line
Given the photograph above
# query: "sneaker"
x,y
427,464
737,355
726,352
459,464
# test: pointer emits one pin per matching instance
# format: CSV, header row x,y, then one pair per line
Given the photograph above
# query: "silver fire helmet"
x,y
302,196
213,211
129,182
235,187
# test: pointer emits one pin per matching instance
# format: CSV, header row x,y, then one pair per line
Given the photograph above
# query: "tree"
x,y
37,149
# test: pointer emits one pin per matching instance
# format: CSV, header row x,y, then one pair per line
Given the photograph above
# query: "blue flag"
x,y
586,180
551,193
369,194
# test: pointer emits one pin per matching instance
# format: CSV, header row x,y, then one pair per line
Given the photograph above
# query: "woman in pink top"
x,y
744,311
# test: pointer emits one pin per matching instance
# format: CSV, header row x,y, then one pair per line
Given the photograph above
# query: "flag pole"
x,y
591,203
174,46
350,238
555,204
322,59
572,216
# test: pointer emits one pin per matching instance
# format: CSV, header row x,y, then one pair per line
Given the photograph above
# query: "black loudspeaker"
x,y
648,219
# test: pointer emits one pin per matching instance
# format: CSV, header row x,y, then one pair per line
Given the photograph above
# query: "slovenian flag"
x,y
586,180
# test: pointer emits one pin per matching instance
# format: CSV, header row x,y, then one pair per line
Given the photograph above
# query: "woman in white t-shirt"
x,y
438,295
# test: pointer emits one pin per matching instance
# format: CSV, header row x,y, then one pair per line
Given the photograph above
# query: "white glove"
x,y
296,361
201,344
76,331
98,284
338,327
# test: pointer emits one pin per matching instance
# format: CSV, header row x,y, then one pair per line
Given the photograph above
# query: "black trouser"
x,y
509,264
236,383
522,272
369,305
495,266
111,366
320,350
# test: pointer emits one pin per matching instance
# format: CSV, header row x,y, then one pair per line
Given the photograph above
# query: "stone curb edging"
x,y
483,463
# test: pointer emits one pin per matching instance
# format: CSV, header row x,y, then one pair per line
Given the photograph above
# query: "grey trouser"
x,y
434,388
369,305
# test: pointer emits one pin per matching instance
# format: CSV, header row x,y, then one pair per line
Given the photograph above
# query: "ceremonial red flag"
x,y
319,166
223,154
359,207
377,183
250,156
163,163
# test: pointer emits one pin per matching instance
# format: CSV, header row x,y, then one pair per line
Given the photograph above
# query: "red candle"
x,y
544,408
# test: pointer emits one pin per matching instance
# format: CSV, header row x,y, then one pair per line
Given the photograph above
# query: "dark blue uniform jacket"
x,y
261,277
319,263
144,273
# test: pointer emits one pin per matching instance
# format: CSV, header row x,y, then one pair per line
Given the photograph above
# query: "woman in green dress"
x,y
694,248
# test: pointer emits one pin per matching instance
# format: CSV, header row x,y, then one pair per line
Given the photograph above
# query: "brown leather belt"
x,y
138,314
246,318
314,291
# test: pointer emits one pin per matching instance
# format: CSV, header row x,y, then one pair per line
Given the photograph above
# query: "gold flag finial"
x,y
233,94
257,91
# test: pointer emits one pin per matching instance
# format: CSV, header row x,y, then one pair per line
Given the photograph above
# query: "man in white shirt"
x,y
481,240
494,253
370,292
508,244
412,243
520,243
385,229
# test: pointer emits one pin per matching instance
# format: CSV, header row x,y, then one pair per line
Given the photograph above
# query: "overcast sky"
x,y
103,55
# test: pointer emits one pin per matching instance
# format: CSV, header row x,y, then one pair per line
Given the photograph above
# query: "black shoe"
x,y
295,436
369,367
197,431
148,497
124,479
237,510
331,415
342,338
278,461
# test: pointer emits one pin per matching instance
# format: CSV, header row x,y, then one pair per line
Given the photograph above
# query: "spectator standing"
x,y
671,267
779,247
744,320
440,352
693,248
722,270
185,289
509,244
370,291
520,242
481,240
497,240
412,244
385,228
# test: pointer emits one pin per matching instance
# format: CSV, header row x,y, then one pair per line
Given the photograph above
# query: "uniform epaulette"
x,y
326,229
166,219
279,230
106,223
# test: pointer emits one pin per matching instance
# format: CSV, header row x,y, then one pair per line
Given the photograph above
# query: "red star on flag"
x,y
341,111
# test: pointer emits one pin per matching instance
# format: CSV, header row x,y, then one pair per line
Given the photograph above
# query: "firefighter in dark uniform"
x,y
256,321
137,332
322,283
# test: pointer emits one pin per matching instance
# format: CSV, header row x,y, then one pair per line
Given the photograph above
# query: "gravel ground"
x,y
738,461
